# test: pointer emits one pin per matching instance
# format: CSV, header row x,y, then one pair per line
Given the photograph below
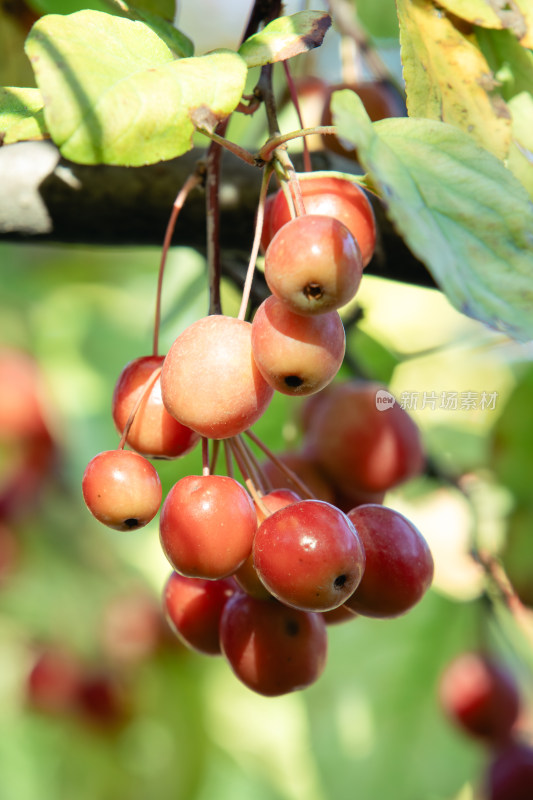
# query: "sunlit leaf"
x,y
517,15
458,208
448,78
286,37
21,115
116,93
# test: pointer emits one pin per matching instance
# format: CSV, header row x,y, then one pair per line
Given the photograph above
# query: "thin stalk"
x,y
147,387
192,181
240,458
256,243
205,455
300,485
296,103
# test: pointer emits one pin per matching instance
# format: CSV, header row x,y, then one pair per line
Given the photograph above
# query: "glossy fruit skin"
x,y
207,526
510,774
481,696
359,447
333,197
154,432
193,607
313,264
399,564
210,381
271,648
309,555
121,489
246,576
296,355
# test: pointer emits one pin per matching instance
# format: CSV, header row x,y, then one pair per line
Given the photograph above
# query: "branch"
x,y
47,198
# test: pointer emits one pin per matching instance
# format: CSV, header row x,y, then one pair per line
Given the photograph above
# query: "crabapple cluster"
x,y
480,695
261,567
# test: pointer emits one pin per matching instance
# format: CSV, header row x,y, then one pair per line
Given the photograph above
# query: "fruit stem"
x,y
256,243
240,457
147,387
213,221
253,465
296,103
214,456
205,456
265,153
300,485
229,460
193,180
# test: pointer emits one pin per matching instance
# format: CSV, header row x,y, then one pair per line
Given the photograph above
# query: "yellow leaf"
x,y
447,78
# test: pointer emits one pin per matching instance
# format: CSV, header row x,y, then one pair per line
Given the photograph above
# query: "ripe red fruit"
x,y
480,695
359,446
313,264
296,355
510,774
121,489
53,681
399,564
207,526
309,555
154,432
101,701
22,405
246,576
133,627
210,381
271,648
193,607
329,196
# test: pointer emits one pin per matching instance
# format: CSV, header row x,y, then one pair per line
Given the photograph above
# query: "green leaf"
x,y
21,115
286,37
516,16
115,92
512,441
448,78
458,208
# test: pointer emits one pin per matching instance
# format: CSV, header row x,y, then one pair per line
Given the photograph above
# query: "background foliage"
x,y
372,725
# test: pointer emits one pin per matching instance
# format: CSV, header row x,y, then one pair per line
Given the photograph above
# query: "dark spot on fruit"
x,y
293,381
339,581
131,523
292,627
313,291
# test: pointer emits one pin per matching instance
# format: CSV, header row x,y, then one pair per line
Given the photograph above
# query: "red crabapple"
x,y
399,564
359,446
193,608
296,355
246,576
309,556
330,196
154,432
510,773
271,648
313,264
480,695
207,526
121,489
210,381
54,680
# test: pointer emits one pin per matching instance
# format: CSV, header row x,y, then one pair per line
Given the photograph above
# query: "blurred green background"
x,y
372,724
